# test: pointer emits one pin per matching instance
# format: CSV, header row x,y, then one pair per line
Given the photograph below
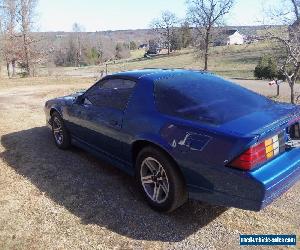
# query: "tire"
x,y
60,133
160,180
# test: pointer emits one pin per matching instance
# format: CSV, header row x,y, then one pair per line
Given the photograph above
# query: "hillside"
x,y
237,61
140,35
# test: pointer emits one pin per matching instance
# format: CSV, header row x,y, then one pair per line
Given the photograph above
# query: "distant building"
x,y
143,46
234,37
253,39
229,37
154,47
60,36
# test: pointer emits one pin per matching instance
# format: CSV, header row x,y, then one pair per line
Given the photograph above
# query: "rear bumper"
x,y
223,199
280,188
257,189
278,176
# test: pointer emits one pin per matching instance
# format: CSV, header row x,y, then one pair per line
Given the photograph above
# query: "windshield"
x,y
206,98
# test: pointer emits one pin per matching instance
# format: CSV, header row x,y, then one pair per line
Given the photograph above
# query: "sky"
x,y
99,15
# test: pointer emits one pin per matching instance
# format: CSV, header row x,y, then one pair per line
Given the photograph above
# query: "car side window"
x,y
111,93
117,84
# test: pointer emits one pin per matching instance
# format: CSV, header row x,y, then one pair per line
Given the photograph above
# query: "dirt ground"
x,y
52,199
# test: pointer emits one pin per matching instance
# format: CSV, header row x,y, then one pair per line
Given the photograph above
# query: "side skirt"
x,y
122,165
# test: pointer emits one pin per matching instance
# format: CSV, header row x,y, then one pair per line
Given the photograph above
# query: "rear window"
x,y
206,98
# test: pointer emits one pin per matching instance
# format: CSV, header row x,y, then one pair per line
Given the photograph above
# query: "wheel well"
x,y
52,110
139,145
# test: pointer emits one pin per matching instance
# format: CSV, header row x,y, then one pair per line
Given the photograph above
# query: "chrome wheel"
x,y
57,130
154,180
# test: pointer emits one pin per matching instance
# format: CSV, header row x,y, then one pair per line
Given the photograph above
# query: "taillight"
x,y
260,153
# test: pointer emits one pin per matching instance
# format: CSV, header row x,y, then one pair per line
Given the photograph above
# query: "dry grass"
x,y
52,199
230,61
44,81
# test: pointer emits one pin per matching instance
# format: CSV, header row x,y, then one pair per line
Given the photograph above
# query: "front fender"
x,y
51,106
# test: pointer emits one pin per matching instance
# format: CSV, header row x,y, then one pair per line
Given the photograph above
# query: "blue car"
x,y
185,135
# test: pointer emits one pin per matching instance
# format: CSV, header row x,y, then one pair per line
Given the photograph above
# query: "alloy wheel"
x,y
154,180
57,130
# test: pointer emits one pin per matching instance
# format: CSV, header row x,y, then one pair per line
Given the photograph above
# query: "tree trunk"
x,y
293,81
77,59
206,41
13,63
292,93
26,50
168,38
8,69
78,52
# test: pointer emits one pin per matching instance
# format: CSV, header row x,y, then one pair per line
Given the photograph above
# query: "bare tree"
x,y
290,65
164,26
296,5
1,36
18,44
9,42
26,12
186,34
205,15
1,40
77,29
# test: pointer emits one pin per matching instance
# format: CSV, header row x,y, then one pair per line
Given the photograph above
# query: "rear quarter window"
x,y
206,98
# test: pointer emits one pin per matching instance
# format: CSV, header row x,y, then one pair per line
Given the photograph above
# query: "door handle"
x,y
113,122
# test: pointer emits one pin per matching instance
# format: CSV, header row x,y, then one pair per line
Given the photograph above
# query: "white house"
x,y
229,37
234,37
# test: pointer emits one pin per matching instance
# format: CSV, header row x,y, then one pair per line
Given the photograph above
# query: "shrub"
x,y
121,51
175,41
93,56
266,68
132,45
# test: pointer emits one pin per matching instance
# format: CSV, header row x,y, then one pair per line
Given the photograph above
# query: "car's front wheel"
x,y
60,133
160,180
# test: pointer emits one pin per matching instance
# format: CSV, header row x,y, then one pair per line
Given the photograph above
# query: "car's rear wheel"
x,y
60,133
160,180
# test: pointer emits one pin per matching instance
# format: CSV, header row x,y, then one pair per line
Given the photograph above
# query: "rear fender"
x,y
155,140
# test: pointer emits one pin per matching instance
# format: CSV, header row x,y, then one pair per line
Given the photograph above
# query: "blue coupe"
x,y
185,134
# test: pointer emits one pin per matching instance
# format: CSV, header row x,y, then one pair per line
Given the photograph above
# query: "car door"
x,y
97,119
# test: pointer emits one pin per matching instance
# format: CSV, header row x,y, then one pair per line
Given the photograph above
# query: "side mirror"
x,y
79,99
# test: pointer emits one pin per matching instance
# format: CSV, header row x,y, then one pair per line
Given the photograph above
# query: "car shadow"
x,y
96,192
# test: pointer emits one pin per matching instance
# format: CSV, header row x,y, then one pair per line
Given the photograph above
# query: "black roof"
x,y
230,32
157,73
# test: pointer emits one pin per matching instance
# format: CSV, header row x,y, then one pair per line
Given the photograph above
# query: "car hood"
x,y
72,96
263,121
67,99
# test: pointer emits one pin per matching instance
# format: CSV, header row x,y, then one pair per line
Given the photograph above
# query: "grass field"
x,y
236,61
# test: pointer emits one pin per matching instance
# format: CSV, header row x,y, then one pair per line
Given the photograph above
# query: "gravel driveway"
x,y
52,199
